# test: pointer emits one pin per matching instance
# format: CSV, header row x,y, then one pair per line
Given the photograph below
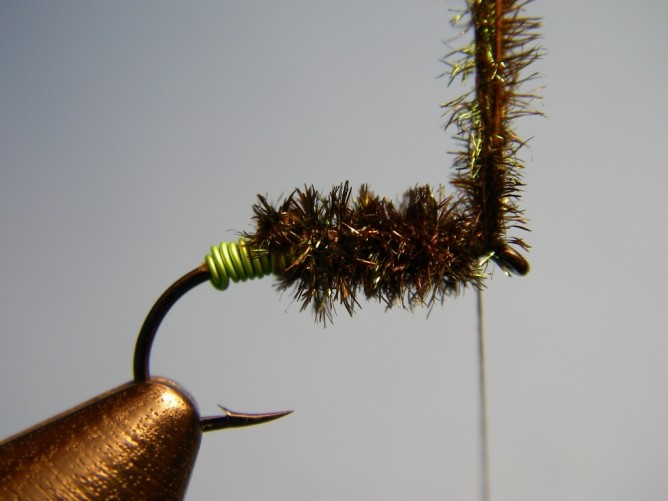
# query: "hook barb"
x,y
231,419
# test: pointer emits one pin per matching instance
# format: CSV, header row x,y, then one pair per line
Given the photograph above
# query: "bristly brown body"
x,y
427,247
337,245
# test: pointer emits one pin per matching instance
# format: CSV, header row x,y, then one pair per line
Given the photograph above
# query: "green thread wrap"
x,y
237,262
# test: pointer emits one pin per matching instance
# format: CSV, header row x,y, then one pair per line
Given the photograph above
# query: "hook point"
x,y
232,419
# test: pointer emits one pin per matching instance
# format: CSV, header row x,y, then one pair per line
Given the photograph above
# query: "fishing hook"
x,y
201,274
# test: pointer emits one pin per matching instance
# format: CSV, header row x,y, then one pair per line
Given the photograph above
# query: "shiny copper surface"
x,y
138,441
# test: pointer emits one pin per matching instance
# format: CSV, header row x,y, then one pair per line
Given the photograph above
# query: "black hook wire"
x,y
164,303
229,419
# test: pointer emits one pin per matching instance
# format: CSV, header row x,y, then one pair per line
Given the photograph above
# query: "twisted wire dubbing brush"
x,y
488,170
331,246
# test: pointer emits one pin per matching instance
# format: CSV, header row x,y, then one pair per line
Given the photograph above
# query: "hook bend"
x,y
229,419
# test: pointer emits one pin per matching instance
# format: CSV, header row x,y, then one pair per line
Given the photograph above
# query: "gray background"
x,y
133,135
